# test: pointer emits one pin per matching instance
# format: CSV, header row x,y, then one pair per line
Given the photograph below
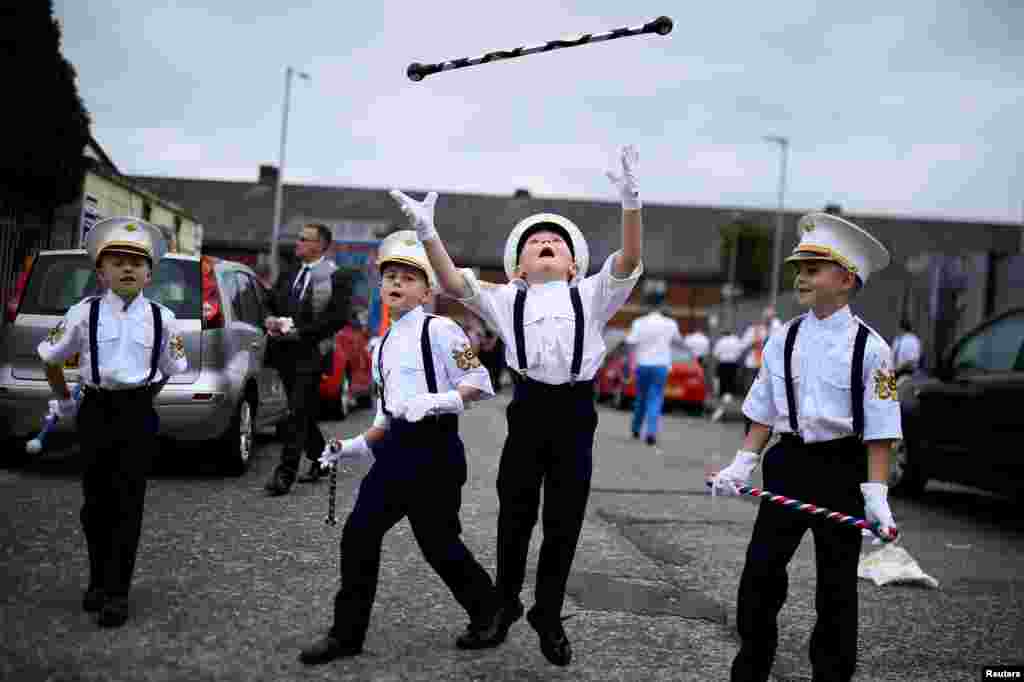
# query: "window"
x,y
57,283
998,347
177,284
251,308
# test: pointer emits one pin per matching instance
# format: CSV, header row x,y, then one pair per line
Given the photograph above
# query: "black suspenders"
x,y
577,343
94,354
428,362
856,377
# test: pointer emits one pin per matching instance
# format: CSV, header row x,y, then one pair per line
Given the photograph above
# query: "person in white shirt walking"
x,y
727,353
651,337
906,351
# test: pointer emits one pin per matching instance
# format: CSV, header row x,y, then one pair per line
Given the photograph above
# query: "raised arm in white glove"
x,y
337,449
737,473
420,213
876,505
418,407
629,188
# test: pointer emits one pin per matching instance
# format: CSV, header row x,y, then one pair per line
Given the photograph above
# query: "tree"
x,y
47,124
753,243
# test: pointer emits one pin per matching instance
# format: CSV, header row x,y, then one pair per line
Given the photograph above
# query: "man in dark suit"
x,y
308,306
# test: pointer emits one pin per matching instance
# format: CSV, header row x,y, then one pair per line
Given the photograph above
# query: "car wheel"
x,y
237,441
905,476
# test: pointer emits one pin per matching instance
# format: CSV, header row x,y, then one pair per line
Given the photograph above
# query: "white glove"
x,y
64,409
737,473
336,450
876,506
420,213
418,407
629,189
285,324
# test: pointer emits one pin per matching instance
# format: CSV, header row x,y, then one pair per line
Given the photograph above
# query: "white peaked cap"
x,y
580,252
404,247
126,234
824,236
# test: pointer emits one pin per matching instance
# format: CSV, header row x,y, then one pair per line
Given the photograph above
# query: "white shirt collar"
x,y
836,322
115,300
412,317
310,266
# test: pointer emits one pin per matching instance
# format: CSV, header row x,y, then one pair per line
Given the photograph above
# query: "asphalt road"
x,y
230,583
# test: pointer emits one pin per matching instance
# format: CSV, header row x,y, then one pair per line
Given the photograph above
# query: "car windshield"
x,y
57,282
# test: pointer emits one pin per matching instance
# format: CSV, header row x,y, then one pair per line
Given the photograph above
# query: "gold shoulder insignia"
x,y
55,334
465,358
885,385
177,347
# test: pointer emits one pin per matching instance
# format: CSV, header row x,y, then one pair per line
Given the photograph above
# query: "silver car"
x,y
227,392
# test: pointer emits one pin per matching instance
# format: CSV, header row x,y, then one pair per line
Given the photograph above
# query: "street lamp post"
x,y
279,188
783,143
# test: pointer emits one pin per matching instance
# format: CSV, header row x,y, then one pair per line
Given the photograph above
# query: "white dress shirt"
x,y
549,321
906,350
698,343
651,337
307,268
124,341
403,376
729,348
822,362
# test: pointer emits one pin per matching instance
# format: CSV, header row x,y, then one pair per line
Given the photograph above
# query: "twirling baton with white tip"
x,y
417,72
878,530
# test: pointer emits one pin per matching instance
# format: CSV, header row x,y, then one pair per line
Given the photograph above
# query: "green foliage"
x,y
47,124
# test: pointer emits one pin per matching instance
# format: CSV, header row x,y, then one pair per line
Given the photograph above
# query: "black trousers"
x,y
418,471
826,474
550,444
117,436
727,378
301,432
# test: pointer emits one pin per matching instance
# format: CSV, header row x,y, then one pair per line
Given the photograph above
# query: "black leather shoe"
x,y
280,482
553,642
651,440
491,632
636,434
92,600
114,612
315,473
326,649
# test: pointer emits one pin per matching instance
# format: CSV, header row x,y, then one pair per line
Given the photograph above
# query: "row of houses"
x,y
946,275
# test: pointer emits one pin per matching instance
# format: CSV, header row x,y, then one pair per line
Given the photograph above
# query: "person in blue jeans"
x,y
651,337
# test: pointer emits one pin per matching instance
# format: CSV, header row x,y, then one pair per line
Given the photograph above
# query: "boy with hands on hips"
x,y
827,387
551,317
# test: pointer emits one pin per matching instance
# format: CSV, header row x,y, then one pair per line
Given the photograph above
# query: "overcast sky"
x,y
910,108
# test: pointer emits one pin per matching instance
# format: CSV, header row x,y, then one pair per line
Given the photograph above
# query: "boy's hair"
x,y
405,266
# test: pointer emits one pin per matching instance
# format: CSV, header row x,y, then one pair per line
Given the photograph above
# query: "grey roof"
x,y
678,239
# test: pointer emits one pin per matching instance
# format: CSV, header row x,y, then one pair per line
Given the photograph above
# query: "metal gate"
x,y
24,231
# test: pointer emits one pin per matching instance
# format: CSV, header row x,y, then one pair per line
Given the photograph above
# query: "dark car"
x,y
965,424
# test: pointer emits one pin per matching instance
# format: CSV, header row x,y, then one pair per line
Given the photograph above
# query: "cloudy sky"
x,y
910,108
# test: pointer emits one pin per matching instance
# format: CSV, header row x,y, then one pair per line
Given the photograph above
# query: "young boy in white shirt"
x,y
827,387
551,317
426,374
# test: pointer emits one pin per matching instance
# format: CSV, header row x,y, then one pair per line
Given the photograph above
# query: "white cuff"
x,y
356,446
449,402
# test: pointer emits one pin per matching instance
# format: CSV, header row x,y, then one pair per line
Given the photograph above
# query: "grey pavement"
x,y
230,583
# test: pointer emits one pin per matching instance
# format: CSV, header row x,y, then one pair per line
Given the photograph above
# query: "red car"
x,y
616,381
350,383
